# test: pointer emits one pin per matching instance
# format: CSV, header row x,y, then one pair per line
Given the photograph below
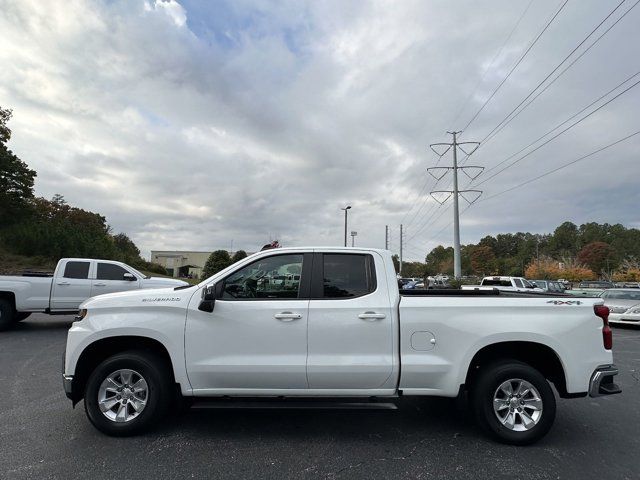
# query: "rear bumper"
x,y
67,383
602,381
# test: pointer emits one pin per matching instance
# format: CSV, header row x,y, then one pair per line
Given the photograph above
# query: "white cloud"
x,y
193,124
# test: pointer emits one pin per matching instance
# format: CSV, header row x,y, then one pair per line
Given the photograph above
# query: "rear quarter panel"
x,y
31,293
462,326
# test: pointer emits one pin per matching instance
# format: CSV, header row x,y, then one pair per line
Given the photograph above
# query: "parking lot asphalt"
x,y
41,436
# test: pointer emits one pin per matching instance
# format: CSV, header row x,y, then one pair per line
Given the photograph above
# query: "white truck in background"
x,y
73,281
506,284
339,330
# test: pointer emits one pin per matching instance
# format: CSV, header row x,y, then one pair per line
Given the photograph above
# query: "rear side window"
x,y
496,282
348,275
109,271
76,270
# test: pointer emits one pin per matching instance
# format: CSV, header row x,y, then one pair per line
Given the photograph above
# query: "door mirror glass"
x,y
129,276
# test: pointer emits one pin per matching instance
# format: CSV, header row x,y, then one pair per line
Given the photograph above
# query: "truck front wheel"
x,y
127,393
513,402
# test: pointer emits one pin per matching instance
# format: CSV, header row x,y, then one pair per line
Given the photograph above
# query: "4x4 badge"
x,y
565,302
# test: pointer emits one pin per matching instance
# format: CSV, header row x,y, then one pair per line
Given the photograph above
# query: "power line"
x,y
495,57
558,134
506,120
562,123
548,24
562,166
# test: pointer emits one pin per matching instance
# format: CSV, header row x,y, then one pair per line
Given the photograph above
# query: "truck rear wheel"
x,y
128,393
7,314
513,402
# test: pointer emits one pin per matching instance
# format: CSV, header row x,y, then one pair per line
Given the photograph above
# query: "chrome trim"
x,y
601,373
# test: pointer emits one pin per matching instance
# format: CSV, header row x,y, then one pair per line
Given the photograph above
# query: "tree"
x,y
239,255
218,260
598,256
16,178
483,260
126,250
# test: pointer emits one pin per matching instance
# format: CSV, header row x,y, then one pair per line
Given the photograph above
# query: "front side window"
x,y
109,271
272,278
347,275
76,270
517,282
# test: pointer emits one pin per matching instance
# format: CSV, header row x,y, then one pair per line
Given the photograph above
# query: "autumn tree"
x,y
483,260
598,256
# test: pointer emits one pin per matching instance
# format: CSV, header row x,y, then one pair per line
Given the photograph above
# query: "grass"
x,y
11,263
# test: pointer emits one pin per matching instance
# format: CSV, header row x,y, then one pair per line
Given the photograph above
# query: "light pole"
x,y
353,238
345,223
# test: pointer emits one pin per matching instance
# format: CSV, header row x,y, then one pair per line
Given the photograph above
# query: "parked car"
x,y
73,281
624,305
549,286
596,284
344,331
509,284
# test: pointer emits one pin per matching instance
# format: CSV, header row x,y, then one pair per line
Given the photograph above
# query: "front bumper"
x,y
602,381
627,318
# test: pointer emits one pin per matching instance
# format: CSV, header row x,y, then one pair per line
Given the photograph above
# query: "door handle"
x,y
99,284
63,283
287,316
371,316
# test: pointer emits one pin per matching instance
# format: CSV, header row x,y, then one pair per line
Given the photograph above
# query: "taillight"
x,y
607,336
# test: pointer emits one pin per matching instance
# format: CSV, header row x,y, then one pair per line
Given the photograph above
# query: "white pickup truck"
x,y
339,329
74,280
507,284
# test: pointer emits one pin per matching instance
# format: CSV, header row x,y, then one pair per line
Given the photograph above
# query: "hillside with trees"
x,y
583,252
33,226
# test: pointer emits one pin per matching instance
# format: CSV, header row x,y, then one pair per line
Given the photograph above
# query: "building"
x,y
181,263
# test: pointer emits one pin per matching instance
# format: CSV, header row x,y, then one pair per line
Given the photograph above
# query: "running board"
x,y
293,405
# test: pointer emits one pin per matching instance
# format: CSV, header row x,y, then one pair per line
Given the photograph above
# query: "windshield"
x,y
528,284
621,295
540,283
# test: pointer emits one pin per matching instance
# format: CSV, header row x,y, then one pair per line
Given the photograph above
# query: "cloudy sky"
x,y
202,125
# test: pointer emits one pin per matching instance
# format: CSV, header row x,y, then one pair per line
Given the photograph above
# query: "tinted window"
x,y
348,275
276,277
496,282
108,271
517,282
76,270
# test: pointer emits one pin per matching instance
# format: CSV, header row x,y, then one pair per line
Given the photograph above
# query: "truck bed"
x,y
478,293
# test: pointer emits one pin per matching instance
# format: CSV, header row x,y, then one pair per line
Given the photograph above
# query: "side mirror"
x,y
209,295
129,276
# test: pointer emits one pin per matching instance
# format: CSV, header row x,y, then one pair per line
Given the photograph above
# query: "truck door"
x,y
71,286
350,323
255,339
111,278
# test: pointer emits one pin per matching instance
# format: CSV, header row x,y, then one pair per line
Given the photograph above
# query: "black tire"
x,y
155,372
7,314
21,316
486,387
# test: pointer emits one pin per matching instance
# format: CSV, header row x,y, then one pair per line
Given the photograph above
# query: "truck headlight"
x,y
81,314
